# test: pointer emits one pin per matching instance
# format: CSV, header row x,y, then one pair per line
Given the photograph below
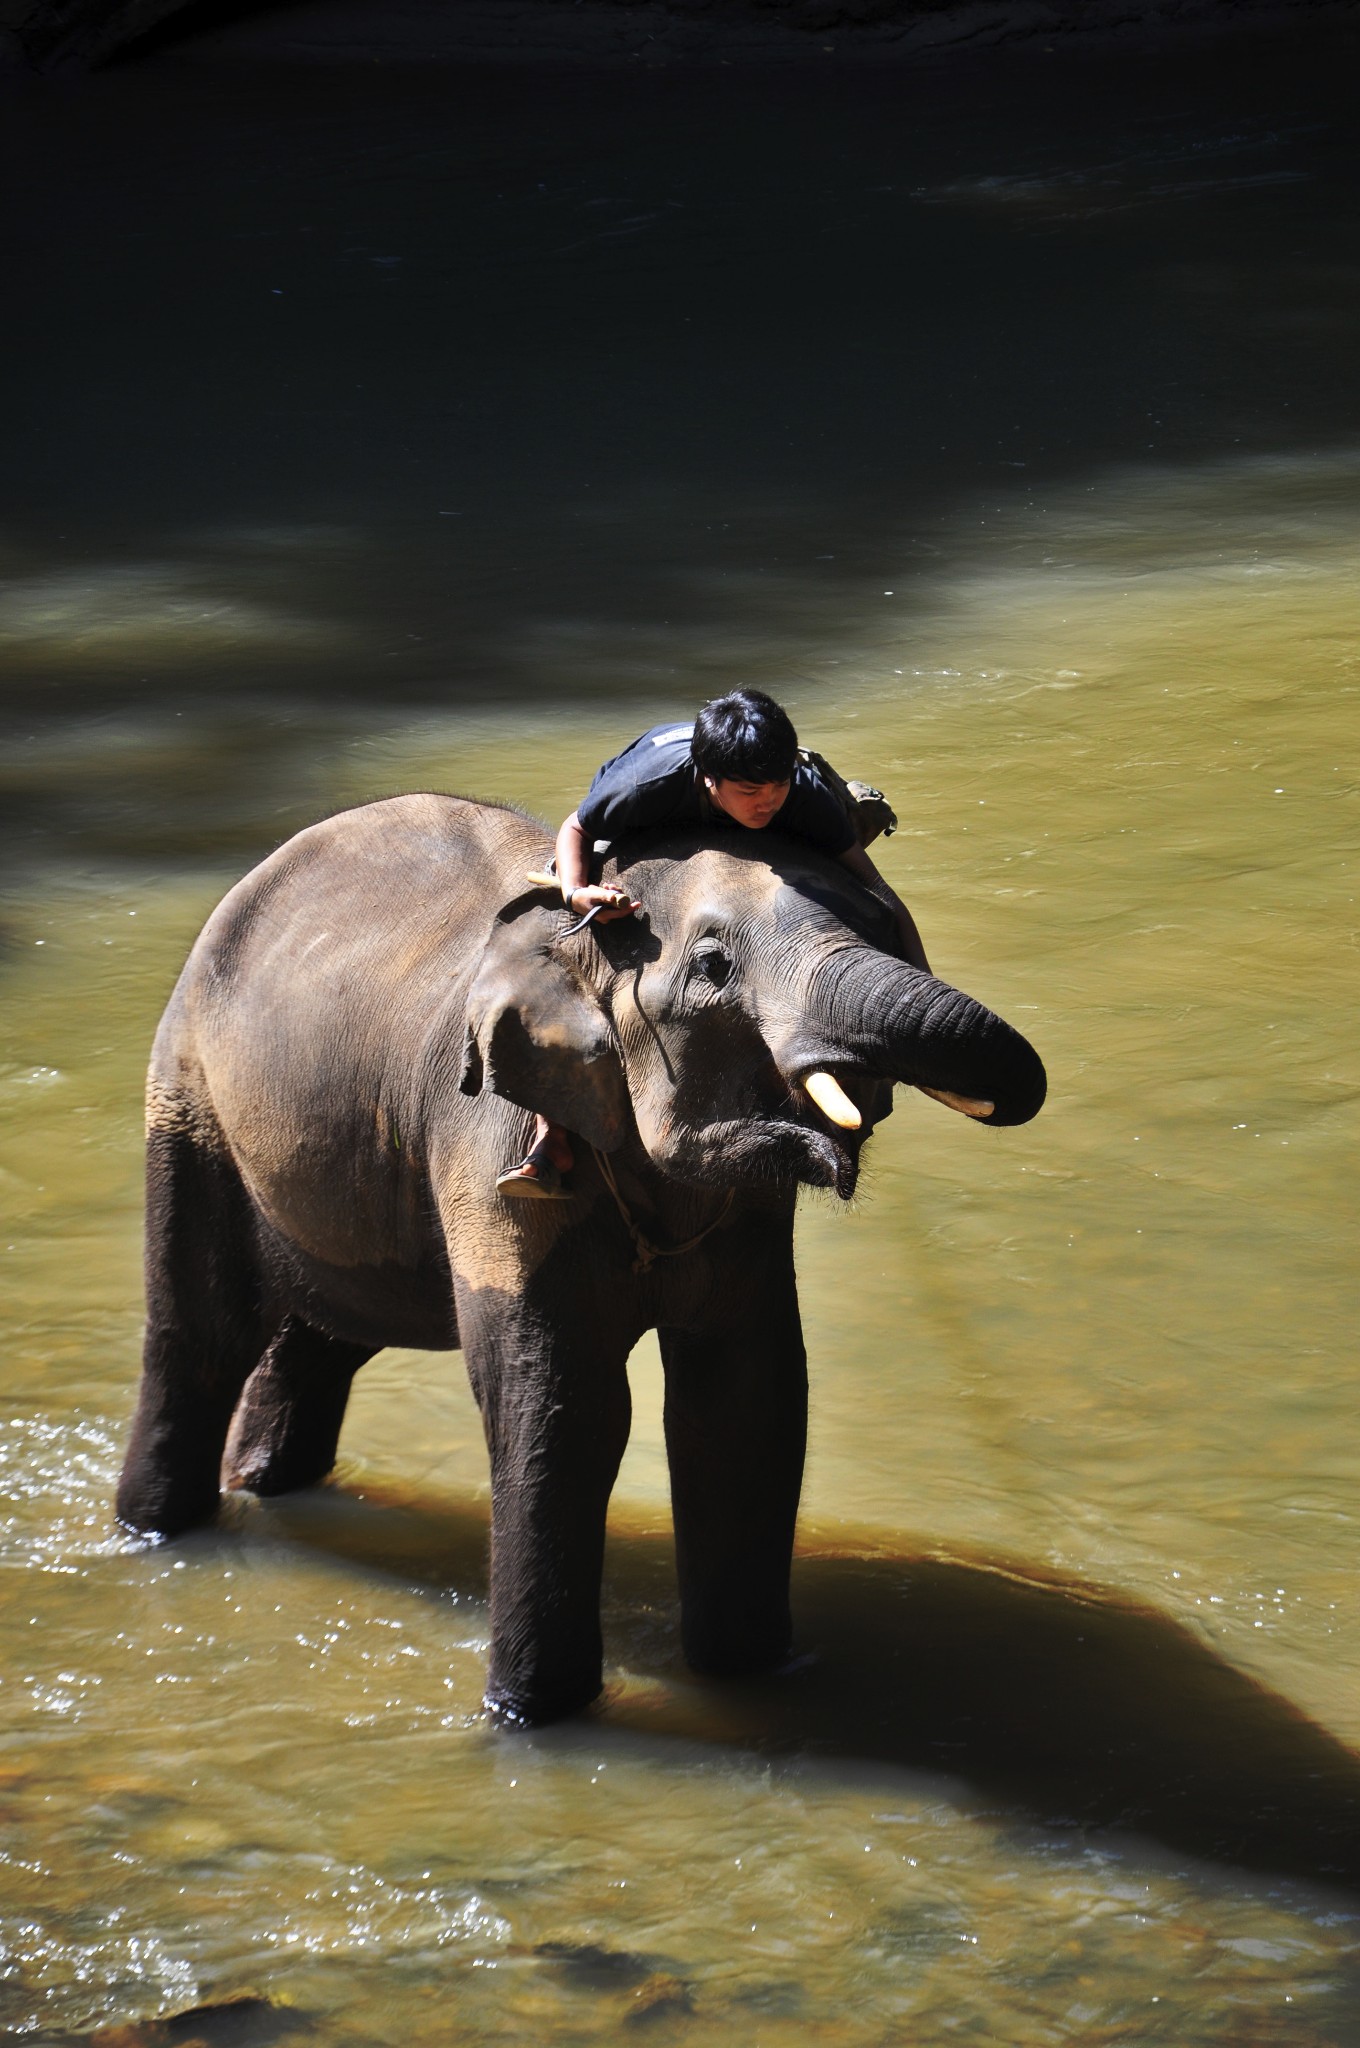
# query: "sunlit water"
x,y
434,431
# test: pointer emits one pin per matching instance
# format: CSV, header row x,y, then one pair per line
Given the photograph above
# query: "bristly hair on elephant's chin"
x,y
746,1154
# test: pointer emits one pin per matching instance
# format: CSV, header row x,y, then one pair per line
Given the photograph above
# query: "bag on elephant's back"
x,y
866,807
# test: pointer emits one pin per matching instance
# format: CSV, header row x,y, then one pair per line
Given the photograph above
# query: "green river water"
x,y
392,427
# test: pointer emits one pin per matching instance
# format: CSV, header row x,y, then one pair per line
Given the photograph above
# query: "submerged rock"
x,y
658,1997
242,2021
644,1991
594,1967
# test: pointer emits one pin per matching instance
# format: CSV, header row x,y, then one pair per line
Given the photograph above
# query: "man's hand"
x,y
579,895
611,902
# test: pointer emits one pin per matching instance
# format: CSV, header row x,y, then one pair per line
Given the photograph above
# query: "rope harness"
x,y
647,1252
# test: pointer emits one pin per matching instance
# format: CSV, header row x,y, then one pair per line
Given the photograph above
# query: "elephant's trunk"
x,y
877,1014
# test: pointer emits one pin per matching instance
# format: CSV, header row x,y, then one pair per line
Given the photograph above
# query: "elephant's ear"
x,y
537,1035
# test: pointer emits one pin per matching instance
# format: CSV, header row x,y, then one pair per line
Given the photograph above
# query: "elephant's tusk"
x,y
966,1105
833,1101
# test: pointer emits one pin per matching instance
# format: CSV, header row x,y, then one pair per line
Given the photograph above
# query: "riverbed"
x,y
397,427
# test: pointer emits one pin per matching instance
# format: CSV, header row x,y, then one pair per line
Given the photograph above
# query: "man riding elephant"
x,y
739,764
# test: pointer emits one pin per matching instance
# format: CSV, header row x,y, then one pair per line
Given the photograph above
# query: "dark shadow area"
x,y
181,23
1055,1701
93,32
424,352
348,392
344,393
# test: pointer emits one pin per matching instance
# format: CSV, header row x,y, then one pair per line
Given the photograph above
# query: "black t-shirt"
x,y
655,782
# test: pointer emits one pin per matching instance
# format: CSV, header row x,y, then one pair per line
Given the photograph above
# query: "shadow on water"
x,y
1063,1703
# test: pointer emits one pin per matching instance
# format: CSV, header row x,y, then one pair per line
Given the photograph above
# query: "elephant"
x,y
356,1046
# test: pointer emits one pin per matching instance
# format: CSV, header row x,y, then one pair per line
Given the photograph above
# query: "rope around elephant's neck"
x,y
647,1252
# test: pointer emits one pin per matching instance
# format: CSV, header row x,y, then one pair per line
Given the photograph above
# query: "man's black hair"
x,y
744,737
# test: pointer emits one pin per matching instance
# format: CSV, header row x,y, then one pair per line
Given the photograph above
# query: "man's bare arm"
x,y
579,893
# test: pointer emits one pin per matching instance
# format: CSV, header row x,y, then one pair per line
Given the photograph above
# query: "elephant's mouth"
x,y
833,1115
790,1137
764,1151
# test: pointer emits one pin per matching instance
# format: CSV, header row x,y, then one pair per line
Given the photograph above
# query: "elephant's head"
x,y
754,968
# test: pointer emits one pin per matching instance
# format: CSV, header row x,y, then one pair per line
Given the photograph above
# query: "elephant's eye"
x,y
712,965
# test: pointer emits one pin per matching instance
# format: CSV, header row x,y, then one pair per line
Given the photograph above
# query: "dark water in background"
x,y
380,428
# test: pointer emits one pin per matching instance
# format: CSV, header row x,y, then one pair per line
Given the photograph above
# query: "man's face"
x,y
752,804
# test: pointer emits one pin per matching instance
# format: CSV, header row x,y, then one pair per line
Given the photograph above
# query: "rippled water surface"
x,y
407,428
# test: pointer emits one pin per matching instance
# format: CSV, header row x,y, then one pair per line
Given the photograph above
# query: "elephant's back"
x,y
319,1017
375,881
396,892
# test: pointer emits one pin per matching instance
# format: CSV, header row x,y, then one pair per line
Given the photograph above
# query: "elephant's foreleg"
x,y
557,1411
207,1321
736,1432
286,1429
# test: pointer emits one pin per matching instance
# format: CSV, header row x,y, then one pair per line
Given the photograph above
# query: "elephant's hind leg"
x,y
287,1427
207,1321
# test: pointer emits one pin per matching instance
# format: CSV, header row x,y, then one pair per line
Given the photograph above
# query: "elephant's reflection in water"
x,y
1053,1701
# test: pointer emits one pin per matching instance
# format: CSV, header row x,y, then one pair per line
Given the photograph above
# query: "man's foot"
x,y
537,1177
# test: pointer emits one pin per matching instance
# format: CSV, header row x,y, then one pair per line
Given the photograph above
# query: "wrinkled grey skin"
x,y
352,1053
